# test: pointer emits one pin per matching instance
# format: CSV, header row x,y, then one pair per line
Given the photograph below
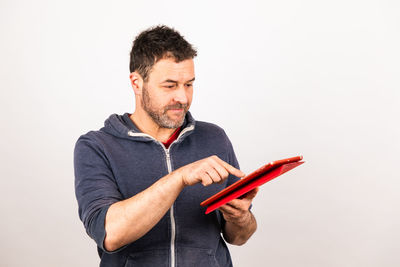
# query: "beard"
x,y
159,115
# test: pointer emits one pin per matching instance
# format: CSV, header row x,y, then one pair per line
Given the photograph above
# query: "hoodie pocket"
x,y
195,257
148,258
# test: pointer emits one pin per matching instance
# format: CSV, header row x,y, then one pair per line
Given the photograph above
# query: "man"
x,y
140,179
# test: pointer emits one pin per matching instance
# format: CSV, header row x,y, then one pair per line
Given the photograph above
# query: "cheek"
x,y
162,99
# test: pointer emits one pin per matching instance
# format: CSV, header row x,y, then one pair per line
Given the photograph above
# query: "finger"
x,y
205,179
251,194
214,175
222,172
239,204
227,209
230,168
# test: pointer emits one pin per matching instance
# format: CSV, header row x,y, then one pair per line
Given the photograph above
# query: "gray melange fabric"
x,y
119,161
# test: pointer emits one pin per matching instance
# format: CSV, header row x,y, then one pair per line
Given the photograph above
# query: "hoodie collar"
x,y
121,126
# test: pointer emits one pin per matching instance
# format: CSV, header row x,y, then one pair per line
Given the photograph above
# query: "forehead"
x,y
169,69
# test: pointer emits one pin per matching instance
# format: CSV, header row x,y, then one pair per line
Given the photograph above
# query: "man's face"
x,y
167,95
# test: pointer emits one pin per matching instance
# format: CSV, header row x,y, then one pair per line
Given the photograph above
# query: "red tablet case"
x,y
251,181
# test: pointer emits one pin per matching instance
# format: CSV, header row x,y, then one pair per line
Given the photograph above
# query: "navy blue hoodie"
x,y
119,161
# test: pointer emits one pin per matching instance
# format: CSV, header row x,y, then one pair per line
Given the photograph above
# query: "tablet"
x,y
260,176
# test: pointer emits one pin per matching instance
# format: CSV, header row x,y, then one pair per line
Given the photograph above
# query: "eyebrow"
x,y
172,81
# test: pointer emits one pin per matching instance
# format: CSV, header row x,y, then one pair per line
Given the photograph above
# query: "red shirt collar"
x,y
173,137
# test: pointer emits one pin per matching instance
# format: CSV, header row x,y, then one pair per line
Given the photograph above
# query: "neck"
x,y
146,125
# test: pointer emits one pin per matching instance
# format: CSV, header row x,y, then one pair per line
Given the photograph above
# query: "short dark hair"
x,y
157,43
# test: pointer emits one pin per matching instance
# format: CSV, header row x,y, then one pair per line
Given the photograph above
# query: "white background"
x,y
317,78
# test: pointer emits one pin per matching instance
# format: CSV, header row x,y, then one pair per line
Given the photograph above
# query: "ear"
x,y
136,82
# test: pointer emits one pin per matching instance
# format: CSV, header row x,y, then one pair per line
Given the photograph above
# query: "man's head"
x,y
162,75
158,43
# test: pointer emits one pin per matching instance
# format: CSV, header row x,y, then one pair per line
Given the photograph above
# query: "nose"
x,y
180,95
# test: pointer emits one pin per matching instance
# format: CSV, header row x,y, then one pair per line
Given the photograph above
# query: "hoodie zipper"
x,y
169,166
171,213
171,210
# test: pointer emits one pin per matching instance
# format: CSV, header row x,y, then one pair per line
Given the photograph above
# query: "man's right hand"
x,y
128,220
207,171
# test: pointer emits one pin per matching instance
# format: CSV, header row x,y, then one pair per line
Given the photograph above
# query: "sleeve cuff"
x,y
99,231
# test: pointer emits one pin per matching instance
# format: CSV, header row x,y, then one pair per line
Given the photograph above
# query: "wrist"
x,y
178,177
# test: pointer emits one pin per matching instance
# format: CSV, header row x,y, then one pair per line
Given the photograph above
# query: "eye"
x,y
169,86
189,85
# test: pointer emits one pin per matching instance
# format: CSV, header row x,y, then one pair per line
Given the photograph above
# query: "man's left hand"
x,y
237,210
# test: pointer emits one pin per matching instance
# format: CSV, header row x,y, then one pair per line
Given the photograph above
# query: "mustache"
x,y
176,106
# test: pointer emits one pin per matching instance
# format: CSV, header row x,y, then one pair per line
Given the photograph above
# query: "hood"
x,y
121,126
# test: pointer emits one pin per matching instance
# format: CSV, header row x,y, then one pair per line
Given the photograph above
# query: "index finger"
x,y
230,168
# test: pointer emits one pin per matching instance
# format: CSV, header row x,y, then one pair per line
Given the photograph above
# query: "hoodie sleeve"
x,y
95,187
